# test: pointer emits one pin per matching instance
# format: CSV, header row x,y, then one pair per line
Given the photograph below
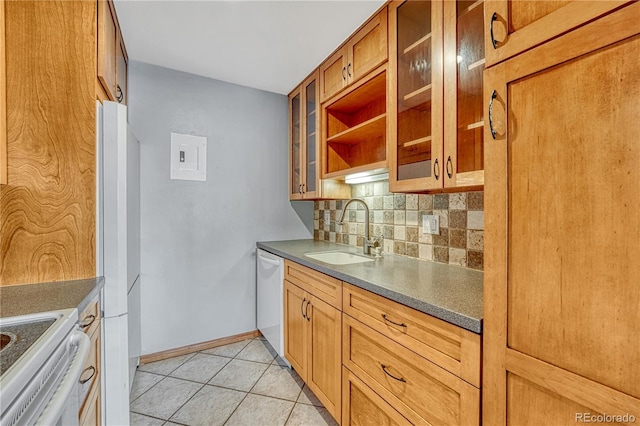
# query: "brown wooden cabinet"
x,y
354,128
3,100
424,369
363,52
516,26
562,227
435,95
312,336
304,146
112,55
90,384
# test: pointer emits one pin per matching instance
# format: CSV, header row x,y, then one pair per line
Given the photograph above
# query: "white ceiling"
x,y
265,44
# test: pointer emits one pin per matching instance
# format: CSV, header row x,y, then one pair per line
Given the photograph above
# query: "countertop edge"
x,y
471,324
91,295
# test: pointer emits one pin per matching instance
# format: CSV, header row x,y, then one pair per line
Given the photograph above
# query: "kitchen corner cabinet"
x,y
112,55
90,384
363,52
436,120
561,338
304,146
312,332
516,26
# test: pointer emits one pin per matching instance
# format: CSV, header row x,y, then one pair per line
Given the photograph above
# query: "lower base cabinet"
x,y
89,381
373,361
313,340
362,406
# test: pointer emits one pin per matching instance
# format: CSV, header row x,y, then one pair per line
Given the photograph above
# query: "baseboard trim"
x,y
159,356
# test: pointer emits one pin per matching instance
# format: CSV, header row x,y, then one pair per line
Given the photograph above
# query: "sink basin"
x,y
338,257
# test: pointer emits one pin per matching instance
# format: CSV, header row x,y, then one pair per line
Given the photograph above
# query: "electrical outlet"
x,y
327,216
431,224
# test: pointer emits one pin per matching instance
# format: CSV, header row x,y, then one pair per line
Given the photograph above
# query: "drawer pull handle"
x,y
87,321
302,311
384,316
400,379
93,373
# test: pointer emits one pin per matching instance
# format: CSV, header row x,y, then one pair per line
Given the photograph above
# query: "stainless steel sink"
x,y
338,257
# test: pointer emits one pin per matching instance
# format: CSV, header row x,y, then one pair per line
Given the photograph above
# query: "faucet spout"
x,y
366,246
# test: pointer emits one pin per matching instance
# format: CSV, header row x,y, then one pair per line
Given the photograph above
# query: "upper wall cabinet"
x,y
112,55
363,52
516,26
304,147
435,95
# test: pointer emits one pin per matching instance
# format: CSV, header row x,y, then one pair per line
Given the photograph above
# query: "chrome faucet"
x,y
367,244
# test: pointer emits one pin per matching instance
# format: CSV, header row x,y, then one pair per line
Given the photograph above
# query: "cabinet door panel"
x,y
521,25
107,38
121,71
333,74
295,328
311,137
416,96
562,175
295,145
362,406
3,101
325,340
367,48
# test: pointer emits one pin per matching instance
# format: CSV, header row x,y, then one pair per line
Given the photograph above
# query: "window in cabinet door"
x,y
311,117
418,145
295,145
464,127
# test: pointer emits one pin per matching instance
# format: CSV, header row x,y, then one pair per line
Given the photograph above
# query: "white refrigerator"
x,y
118,240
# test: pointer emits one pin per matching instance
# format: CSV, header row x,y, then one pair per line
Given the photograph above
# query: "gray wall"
x,y
198,238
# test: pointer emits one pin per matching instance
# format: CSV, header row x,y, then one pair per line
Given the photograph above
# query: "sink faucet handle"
x,y
372,242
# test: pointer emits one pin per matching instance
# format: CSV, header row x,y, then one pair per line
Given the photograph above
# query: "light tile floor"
x,y
243,383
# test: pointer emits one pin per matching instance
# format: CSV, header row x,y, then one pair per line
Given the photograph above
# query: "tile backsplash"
x,y
398,219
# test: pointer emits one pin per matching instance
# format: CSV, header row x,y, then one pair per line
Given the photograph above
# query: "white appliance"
x,y
270,306
119,257
42,356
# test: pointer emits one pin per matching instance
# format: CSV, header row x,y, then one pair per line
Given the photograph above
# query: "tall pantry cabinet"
x,y
562,231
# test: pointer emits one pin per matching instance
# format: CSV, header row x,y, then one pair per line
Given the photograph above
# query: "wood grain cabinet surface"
x,y
561,271
363,52
47,212
305,181
313,332
3,100
90,394
516,26
112,54
436,60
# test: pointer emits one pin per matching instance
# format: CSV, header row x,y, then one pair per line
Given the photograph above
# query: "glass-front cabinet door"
x,y
311,121
464,63
295,145
416,93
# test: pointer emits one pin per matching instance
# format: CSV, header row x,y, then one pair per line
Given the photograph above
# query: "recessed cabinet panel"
x,y
515,26
562,171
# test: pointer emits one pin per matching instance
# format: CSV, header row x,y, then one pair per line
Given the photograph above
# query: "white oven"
x,y
42,356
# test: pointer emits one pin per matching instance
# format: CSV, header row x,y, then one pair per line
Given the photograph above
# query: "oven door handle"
x,y
54,409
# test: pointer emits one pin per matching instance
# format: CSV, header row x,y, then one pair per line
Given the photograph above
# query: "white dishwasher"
x,y
270,306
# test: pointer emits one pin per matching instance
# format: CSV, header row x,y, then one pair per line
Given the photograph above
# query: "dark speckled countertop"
x,y
44,297
451,293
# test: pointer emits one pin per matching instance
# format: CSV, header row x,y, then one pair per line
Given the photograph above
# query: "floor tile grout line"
x,y
131,401
185,403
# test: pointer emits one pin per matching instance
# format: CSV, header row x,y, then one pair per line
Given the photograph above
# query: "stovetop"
x,y
16,340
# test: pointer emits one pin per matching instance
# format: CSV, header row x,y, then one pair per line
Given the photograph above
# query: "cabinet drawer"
x,y
90,376
420,390
362,406
320,285
90,413
451,347
89,319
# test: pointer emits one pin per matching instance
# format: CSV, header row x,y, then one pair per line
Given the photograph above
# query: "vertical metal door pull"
x,y
494,95
494,18
301,307
436,170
